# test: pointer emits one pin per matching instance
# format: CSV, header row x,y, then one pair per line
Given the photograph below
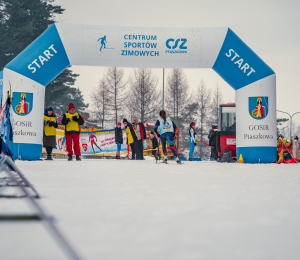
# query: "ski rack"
x,y
5,162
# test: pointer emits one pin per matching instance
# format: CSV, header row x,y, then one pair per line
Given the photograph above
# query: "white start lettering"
x,y
243,66
40,61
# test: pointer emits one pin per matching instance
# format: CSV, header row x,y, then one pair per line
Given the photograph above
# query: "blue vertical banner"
x,y
1,87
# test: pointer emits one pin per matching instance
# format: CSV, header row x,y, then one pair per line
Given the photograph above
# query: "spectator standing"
x,y
72,120
142,135
213,143
132,139
118,139
295,147
192,140
49,136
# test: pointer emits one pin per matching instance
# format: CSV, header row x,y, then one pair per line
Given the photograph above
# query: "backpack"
x,y
227,156
286,155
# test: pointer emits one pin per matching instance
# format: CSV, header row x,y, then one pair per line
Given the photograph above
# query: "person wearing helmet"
x,y
167,133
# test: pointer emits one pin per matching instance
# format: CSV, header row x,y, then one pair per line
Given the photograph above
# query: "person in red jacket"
x,y
142,135
72,120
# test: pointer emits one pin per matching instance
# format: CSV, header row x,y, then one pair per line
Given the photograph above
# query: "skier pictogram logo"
x,y
22,103
103,42
258,107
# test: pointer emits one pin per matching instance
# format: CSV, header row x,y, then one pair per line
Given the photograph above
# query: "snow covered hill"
x,y
137,210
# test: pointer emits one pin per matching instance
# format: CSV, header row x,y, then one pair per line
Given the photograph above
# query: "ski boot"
x,y
165,158
190,159
78,158
177,160
70,158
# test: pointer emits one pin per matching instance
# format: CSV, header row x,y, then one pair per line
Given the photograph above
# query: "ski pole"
x,y
203,142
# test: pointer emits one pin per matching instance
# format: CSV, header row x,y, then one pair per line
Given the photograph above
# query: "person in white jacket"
x,y
295,146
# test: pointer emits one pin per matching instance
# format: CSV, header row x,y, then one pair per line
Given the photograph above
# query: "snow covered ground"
x,y
137,210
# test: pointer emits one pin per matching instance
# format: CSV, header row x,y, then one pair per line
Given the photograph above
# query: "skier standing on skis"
x,y
167,133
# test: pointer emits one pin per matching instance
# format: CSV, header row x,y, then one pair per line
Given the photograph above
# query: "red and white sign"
x,y
231,141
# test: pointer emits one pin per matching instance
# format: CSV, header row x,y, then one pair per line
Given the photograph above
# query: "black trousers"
x,y
141,149
214,153
135,150
49,150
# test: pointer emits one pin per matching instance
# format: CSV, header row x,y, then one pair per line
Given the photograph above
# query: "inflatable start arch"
x,y
62,45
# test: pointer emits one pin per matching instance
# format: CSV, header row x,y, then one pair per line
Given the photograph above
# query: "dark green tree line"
x,y
21,22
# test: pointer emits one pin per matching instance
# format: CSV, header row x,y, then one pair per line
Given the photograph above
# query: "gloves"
x,y
75,118
195,143
51,124
158,135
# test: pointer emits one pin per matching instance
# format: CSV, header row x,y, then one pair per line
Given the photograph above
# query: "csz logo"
x,y
173,44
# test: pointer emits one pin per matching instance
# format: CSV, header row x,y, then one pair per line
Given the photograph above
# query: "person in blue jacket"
x,y
192,140
166,133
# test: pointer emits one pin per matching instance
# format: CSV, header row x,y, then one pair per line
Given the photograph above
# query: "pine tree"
x,y
59,93
21,22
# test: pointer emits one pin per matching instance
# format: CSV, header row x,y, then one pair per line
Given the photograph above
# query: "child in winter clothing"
x,y
118,139
192,140
49,137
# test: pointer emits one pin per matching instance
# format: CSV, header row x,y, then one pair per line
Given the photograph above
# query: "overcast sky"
x,y
269,27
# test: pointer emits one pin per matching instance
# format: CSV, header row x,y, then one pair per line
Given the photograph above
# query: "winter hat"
x,y
192,124
49,109
119,123
152,133
71,105
296,138
125,120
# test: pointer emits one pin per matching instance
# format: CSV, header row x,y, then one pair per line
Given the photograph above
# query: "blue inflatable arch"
x,y
62,45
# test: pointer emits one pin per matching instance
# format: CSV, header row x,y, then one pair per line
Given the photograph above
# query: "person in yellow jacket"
x,y
49,137
132,139
72,120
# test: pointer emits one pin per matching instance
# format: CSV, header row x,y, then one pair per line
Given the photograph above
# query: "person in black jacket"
x,y
154,144
118,139
72,120
213,144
